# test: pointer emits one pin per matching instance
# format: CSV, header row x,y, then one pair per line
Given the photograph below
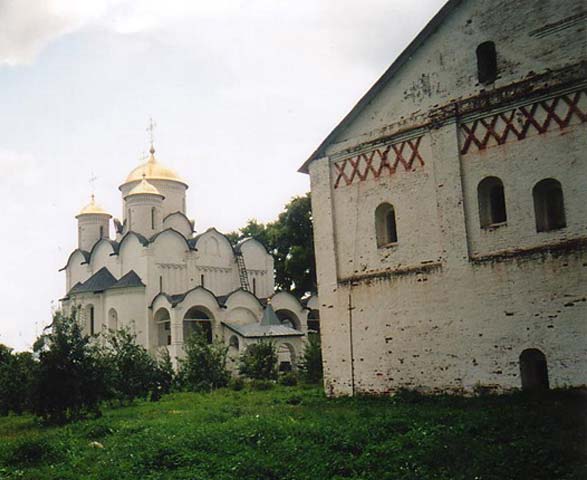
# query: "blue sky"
x,y
241,91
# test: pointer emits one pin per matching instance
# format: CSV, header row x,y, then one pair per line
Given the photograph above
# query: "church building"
x,y
450,209
160,279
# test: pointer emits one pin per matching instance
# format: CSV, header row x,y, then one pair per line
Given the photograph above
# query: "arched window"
x,y
112,319
491,199
92,320
129,220
162,322
385,227
197,320
233,343
549,205
101,232
202,280
152,218
254,286
486,62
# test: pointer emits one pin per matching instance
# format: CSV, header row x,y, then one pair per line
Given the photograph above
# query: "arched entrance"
x,y
287,317
197,318
112,319
533,370
162,327
286,360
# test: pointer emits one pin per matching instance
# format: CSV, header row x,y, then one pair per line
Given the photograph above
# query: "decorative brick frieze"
x,y
384,160
519,123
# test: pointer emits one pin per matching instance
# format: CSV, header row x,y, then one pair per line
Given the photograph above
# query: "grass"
x,y
296,433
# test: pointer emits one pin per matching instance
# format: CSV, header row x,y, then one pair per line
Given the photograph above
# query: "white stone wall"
x,y
92,228
452,305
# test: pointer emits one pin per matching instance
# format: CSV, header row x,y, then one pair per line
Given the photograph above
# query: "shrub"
x,y
165,374
204,366
259,361
71,379
236,384
261,385
33,451
289,379
133,372
311,363
17,375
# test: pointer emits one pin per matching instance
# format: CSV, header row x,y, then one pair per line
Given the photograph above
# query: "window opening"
x,y
486,62
549,205
491,198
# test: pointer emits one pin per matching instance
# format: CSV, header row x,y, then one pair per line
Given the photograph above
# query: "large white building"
x,y
450,208
160,279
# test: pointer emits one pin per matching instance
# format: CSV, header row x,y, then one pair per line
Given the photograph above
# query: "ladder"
x,y
242,272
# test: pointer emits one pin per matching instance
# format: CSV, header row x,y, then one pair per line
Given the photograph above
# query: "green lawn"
x,y
296,433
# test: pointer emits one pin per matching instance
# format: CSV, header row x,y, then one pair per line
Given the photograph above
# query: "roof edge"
x,y
399,62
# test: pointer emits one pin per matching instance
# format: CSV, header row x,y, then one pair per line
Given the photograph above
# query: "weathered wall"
x,y
453,305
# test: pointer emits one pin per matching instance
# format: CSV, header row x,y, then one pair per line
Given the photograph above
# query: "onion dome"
x,y
93,208
144,188
153,170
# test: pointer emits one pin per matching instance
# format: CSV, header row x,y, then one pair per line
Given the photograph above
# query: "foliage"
x,y
132,371
72,374
299,434
17,375
165,374
259,361
204,367
261,385
236,384
290,240
311,362
288,379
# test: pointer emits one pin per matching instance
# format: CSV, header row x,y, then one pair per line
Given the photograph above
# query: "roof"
x,y
103,280
144,188
152,170
98,282
93,208
256,330
401,60
131,279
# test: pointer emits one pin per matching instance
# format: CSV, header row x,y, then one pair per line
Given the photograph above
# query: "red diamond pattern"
x,y
521,122
374,163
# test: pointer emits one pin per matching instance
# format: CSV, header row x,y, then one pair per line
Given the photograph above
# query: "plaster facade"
x,y
451,301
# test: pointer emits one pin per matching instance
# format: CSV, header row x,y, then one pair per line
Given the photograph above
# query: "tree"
x,y
259,361
290,240
311,363
133,372
71,375
17,374
204,366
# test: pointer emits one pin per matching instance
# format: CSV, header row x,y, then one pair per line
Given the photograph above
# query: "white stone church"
x,y
161,280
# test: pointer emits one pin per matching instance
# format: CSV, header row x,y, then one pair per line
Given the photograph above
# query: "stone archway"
x,y
287,317
198,318
533,370
162,327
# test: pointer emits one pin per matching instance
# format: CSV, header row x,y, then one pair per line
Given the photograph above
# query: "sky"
x,y
241,91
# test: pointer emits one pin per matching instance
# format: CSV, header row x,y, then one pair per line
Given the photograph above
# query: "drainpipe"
x,y
351,341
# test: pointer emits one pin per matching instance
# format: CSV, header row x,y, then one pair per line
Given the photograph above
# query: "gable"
x,y
440,65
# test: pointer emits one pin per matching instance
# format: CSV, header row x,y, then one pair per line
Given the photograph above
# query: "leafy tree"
x,y
290,240
311,363
71,379
17,374
165,374
259,361
204,366
133,372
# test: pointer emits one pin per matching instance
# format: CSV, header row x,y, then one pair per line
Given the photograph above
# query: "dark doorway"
x,y
533,370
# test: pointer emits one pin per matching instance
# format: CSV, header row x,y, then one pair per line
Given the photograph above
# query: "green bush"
x,y
261,385
289,379
236,384
204,367
33,451
311,363
71,378
133,372
17,376
259,361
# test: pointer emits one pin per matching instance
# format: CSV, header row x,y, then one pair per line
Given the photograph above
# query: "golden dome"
x,y
92,209
144,188
153,170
